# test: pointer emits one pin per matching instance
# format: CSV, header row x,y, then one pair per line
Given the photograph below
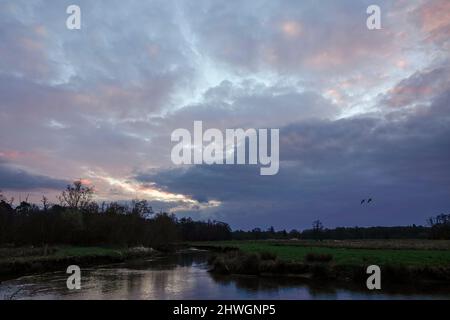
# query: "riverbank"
x,y
184,276
16,262
332,260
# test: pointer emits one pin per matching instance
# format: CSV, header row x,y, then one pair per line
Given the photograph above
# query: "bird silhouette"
x,y
370,200
363,200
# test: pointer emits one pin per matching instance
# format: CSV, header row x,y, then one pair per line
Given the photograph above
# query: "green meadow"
x,y
410,254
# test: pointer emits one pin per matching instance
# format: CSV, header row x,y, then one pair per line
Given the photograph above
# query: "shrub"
x,y
318,257
249,264
266,255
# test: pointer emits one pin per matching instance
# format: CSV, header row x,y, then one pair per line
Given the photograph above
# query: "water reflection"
x,y
184,276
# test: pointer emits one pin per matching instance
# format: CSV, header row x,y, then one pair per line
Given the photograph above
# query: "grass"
x,y
56,253
25,260
89,251
342,255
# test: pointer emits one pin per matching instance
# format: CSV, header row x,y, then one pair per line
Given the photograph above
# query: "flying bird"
x,y
369,200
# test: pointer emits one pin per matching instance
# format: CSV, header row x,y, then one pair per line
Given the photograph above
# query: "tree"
x,y
3,199
6,221
25,207
440,226
141,208
317,229
45,203
76,196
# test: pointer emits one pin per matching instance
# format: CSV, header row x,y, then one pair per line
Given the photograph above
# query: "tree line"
x,y
78,220
438,228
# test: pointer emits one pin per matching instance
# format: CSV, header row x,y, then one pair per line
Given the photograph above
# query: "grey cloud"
x,y
290,38
12,178
127,60
252,104
328,166
107,98
418,88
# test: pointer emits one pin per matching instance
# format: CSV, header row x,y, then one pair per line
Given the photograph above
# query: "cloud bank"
x,y
361,113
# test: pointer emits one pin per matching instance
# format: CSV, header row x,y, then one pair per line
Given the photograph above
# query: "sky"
x,y
362,113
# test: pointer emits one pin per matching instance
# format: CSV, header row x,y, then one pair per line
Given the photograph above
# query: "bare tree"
x,y
317,229
45,203
141,208
77,196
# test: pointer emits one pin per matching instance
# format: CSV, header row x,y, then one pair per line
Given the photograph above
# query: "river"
x,y
184,276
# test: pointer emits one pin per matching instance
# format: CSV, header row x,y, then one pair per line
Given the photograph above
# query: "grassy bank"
x,y
19,261
333,260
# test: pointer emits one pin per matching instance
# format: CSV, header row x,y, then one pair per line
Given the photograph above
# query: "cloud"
x,y
361,112
13,178
433,19
327,166
290,37
418,88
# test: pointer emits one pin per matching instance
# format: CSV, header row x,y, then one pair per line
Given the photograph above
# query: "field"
x,y
408,253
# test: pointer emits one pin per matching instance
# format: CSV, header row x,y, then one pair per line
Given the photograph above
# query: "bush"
x,y
219,266
248,264
266,255
321,271
317,257
236,262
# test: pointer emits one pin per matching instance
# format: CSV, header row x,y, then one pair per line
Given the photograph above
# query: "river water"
x,y
184,276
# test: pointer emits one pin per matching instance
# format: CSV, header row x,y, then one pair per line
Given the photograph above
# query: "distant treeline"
x,y
410,232
77,220
439,228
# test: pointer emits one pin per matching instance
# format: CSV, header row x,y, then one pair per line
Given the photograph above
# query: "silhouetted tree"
x,y
76,196
440,226
141,208
45,203
318,229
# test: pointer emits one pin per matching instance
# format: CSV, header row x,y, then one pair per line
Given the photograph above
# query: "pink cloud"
x,y
434,18
10,154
